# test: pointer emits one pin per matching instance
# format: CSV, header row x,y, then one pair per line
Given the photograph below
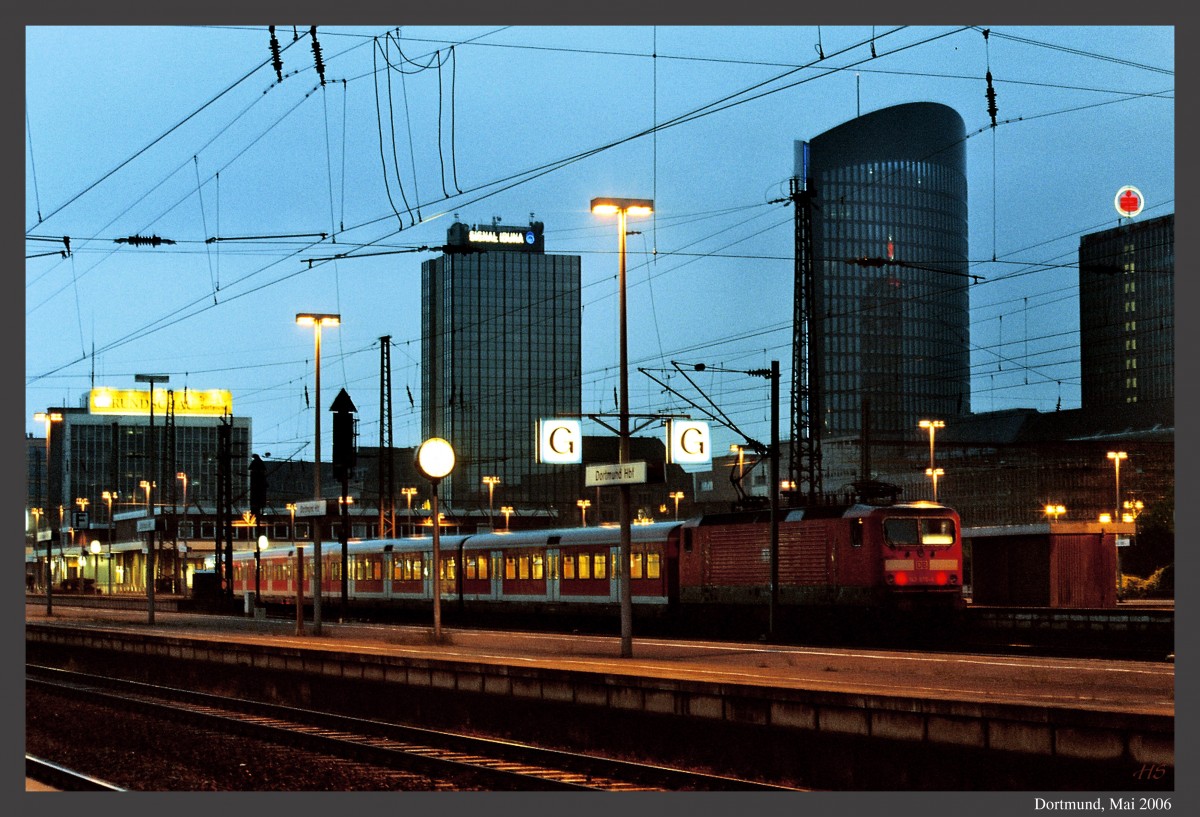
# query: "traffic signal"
x,y
258,485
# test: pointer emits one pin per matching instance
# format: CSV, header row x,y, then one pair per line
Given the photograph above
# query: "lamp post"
x,y
932,426
740,450
82,502
179,567
49,417
95,548
676,495
491,483
435,461
1116,457
934,473
622,208
317,320
583,505
151,560
108,497
291,508
1054,511
409,493
507,511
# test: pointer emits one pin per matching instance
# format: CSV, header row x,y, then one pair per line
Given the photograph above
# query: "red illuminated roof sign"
x,y
1129,201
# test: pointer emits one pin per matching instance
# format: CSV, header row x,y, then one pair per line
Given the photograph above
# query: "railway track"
x,y
61,778
474,762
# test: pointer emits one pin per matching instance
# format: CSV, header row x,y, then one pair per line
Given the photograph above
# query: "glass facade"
x,y
1127,316
500,350
93,453
890,188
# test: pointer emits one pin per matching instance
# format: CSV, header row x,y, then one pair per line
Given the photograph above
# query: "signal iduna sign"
x,y
1129,201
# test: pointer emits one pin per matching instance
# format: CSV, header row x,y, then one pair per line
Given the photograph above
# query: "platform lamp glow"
x,y
317,320
435,461
623,208
49,418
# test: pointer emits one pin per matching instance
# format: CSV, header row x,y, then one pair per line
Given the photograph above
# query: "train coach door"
x,y
552,574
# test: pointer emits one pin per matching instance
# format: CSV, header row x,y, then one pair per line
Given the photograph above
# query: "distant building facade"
x,y
1127,322
500,349
889,227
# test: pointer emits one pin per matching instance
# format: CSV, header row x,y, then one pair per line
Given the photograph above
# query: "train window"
x,y
585,566
600,565
635,565
568,566
208,530
919,532
856,533
538,566
510,567
937,532
653,565
687,540
449,569
477,566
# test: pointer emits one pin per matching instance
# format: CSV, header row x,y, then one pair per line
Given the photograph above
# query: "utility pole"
x,y
806,340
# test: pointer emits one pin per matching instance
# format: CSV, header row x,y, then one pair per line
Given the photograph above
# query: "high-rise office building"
x,y
500,349
1127,321
889,228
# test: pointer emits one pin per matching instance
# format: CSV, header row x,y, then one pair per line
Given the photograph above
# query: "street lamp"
x,y
1055,511
49,417
932,426
934,473
152,545
108,497
435,461
409,493
491,483
740,450
291,508
82,502
317,320
583,505
676,495
507,511
95,548
622,208
1116,457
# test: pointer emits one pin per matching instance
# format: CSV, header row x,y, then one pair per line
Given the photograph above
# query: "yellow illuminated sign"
x,y
206,402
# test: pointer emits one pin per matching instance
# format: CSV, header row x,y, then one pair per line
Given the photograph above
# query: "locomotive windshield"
x,y
912,532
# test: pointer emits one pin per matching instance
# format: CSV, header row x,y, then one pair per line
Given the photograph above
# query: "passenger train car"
x,y
883,558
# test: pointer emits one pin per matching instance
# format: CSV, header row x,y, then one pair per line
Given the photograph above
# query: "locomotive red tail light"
x,y
941,577
901,579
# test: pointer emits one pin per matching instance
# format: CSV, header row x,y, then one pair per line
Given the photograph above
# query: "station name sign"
x,y
204,402
621,473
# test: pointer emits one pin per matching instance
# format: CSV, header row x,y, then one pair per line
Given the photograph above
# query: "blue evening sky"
x,y
187,133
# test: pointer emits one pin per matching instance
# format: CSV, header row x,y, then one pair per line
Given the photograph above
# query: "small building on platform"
x,y
1048,564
